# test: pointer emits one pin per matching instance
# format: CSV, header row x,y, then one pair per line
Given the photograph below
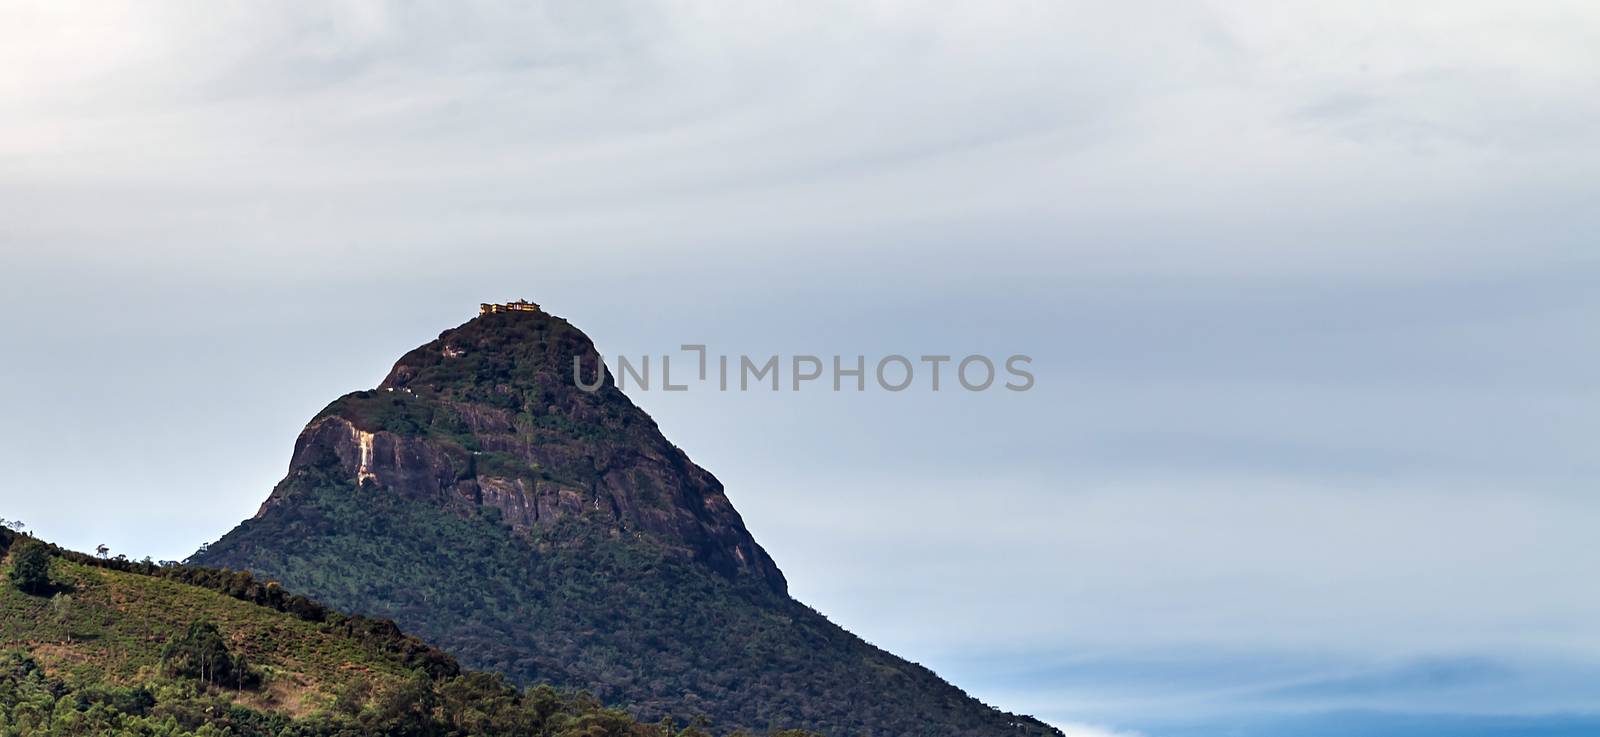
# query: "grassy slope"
x,y
117,622
93,667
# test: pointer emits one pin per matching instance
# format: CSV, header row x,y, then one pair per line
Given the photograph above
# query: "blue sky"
x,y
1310,289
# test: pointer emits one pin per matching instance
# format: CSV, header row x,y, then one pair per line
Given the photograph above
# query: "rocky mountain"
x,y
483,500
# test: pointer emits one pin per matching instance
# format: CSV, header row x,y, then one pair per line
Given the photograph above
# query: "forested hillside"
x,y
109,647
529,527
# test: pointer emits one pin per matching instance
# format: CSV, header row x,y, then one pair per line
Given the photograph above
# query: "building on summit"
x,y
521,305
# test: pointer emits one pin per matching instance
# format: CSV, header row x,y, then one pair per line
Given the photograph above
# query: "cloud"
x,y
1072,729
1194,561
358,135
1307,282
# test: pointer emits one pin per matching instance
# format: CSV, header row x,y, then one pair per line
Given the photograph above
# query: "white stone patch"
x,y
364,468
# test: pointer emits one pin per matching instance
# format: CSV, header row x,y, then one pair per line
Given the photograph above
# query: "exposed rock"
x,y
529,443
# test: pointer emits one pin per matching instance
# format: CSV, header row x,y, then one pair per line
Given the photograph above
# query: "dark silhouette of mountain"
x,y
482,500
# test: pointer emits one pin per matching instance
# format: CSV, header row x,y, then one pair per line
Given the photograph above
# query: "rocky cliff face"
x,y
489,414
482,500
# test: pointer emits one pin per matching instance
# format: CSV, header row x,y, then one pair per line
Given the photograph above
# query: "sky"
x,y
1310,291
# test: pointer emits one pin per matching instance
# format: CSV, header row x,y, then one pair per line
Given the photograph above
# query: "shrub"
x,y
200,652
30,566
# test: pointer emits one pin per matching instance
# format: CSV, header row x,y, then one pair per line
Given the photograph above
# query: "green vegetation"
x,y
153,651
576,607
505,465
518,363
647,590
201,653
30,567
34,703
640,584
403,413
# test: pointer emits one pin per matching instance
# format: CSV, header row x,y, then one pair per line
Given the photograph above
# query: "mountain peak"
x,y
518,347
488,415
483,499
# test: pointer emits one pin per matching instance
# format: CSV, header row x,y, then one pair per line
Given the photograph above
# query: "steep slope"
x,y
107,647
99,624
482,500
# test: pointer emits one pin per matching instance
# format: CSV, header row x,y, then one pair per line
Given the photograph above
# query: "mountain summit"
x,y
489,416
483,500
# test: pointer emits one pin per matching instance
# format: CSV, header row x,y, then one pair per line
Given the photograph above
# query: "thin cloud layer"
x,y
1308,288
